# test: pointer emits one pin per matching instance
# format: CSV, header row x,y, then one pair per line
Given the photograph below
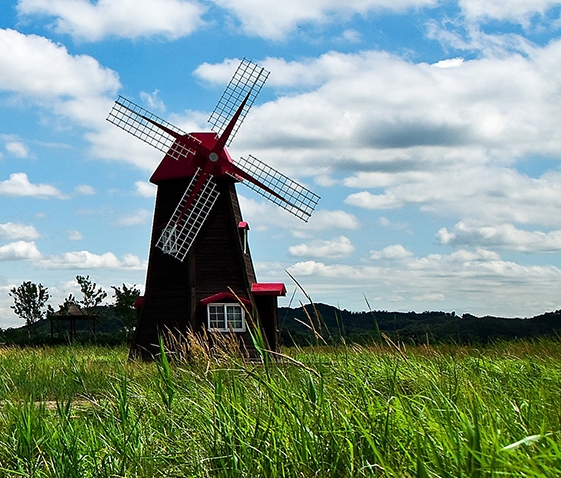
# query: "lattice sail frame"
x,y
180,232
248,78
134,120
297,199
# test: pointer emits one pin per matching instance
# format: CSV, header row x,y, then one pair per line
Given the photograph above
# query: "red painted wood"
x,y
224,296
265,288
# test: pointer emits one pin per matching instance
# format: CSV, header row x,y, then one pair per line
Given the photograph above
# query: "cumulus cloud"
x,y
14,231
264,214
145,189
19,250
19,185
476,281
89,260
75,88
517,11
84,190
89,21
376,114
152,101
17,148
483,193
336,248
74,235
263,17
396,251
36,66
505,236
140,216
325,219
112,143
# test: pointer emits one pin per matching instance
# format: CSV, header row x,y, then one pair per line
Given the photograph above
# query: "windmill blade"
x,y
149,128
189,215
280,189
248,79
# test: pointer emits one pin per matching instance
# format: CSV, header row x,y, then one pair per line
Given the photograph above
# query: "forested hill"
x,y
333,323
410,327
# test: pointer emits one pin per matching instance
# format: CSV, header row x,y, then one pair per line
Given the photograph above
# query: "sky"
x,y
430,129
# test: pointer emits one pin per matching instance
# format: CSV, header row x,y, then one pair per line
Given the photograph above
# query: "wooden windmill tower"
x,y
199,253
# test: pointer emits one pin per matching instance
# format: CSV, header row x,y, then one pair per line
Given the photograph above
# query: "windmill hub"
x,y
213,157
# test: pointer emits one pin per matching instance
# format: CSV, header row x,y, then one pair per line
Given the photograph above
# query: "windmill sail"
x,y
284,192
248,79
191,212
149,128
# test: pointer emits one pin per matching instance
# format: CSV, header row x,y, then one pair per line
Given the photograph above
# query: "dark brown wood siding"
x,y
216,263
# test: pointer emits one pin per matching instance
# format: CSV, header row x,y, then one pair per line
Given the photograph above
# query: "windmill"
x,y
200,267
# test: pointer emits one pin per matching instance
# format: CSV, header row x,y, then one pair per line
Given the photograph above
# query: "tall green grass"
x,y
336,411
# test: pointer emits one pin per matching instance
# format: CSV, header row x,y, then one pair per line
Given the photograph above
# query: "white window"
x,y
225,317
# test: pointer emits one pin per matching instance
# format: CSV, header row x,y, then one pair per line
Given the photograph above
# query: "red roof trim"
x,y
266,288
221,296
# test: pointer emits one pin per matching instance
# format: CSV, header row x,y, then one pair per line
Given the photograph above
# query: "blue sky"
x,y
431,130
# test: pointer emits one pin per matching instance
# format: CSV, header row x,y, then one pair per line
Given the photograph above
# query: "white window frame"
x,y
216,306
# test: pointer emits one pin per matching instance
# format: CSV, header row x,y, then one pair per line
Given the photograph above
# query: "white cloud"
x,y
140,216
518,11
505,236
75,88
14,231
88,260
36,66
480,193
145,189
84,20
152,101
264,18
449,63
19,185
84,190
368,200
396,251
264,214
395,226
20,250
336,248
325,219
434,297
110,142
442,139
74,235
17,148
477,281
351,36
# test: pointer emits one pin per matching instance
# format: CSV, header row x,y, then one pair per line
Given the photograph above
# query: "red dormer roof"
x,y
221,297
268,288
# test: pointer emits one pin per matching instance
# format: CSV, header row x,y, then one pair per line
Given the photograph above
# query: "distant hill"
x,y
334,324
411,327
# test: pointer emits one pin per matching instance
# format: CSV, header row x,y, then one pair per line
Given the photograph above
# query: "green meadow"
x,y
382,410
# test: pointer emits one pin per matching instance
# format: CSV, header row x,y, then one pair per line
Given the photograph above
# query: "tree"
x,y
125,298
30,302
92,296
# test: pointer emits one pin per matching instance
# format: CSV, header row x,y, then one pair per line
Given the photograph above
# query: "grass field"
x,y
342,411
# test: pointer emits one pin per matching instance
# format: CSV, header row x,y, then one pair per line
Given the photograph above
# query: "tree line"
x,y
30,303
